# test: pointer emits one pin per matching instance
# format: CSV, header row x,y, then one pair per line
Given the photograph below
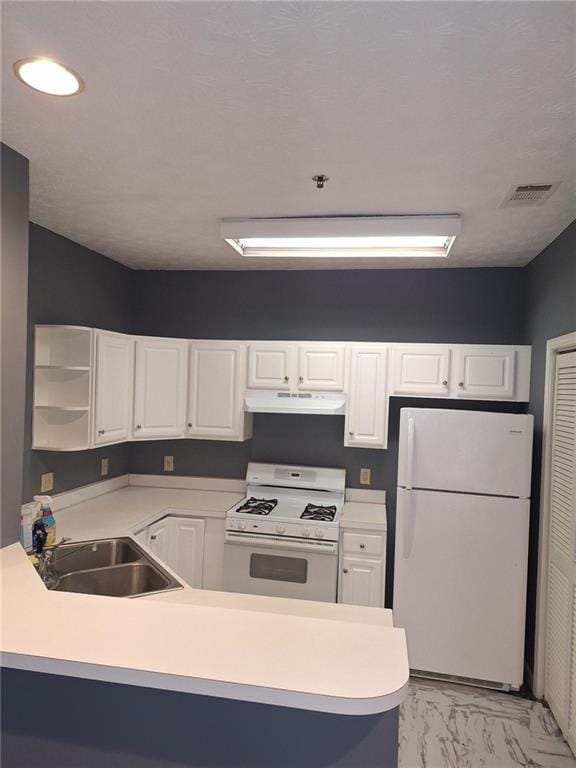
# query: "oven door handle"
x,y
282,542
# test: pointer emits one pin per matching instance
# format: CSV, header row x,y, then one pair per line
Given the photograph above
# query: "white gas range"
x,y
282,539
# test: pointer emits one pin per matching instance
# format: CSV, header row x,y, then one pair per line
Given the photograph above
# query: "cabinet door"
x,y
114,387
159,539
485,372
216,391
421,370
160,388
362,582
271,366
187,551
367,406
321,367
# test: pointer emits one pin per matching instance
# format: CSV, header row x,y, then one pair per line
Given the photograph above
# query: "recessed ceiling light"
x,y
349,237
48,76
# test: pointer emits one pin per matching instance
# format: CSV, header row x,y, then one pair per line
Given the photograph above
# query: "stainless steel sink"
x,y
115,567
69,558
128,580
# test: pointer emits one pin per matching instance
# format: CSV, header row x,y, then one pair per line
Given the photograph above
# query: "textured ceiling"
x,y
197,111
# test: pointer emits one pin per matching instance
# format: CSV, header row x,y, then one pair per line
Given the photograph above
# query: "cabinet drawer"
x,y
360,543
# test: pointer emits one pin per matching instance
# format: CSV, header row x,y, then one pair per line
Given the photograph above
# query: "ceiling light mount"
x,y
320,180
344,236
45,75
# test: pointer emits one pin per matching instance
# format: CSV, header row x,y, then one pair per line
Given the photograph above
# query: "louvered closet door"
x,y
560,687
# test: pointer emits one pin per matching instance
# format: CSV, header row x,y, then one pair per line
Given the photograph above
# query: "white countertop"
x,y
124,511
360,515
317,656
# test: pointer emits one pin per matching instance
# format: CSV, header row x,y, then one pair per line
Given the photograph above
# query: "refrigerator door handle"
x,y
410,453
409,525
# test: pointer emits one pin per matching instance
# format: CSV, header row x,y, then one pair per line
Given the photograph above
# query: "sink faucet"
x,y
46,566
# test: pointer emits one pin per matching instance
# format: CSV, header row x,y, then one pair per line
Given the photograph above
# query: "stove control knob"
x,y
306,532
241,525
280,529
319,533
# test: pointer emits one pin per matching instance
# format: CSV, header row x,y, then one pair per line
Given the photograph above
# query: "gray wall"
x,y
436,305
14,287
59,722
551,311
71,284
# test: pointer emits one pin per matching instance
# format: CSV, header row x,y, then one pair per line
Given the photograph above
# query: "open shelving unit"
x,y
63,363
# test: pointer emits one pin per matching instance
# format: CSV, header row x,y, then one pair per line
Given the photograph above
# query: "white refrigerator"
x,y
461,556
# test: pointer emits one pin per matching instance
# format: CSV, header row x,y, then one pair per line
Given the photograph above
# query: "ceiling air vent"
x,y
529,194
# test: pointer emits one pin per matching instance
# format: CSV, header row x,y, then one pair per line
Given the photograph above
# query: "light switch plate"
x,y
104,466
365,474
46,482
168,463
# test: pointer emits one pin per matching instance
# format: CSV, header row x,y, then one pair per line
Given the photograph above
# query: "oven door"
x,y
272,565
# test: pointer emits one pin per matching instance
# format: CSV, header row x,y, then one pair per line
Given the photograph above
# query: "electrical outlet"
x,y
365,473
168,463
46,482
104,466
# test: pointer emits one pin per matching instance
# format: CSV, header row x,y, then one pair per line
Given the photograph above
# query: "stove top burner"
x,y
255,506
319,512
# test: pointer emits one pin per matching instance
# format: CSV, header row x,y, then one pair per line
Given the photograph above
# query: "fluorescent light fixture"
x,y
48,76
346,237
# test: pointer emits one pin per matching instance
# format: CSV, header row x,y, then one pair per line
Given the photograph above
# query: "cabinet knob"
x,y
362,546
345,570
286,379
138,426
460,383
153,537
190,424
101,431
445,383
351,434
300,379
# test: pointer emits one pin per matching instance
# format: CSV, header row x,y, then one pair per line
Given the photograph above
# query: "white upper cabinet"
x,y
367,406
216,385
321,367
476,372
421,370
271,366
485,372
160,388
114,387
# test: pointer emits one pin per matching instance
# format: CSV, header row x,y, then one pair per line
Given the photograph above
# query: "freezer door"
x,y
460,583
467,451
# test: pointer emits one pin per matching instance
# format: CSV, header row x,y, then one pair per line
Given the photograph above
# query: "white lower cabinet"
x,y
179,542
362,568
367,406
362,582
158,539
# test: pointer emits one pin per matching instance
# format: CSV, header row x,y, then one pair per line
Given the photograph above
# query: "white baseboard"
x,y
83,493
189,483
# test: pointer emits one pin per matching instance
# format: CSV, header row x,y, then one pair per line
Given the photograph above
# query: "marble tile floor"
x,y
443,725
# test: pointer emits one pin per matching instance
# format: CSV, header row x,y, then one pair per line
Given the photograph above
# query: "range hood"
x,y
268,401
